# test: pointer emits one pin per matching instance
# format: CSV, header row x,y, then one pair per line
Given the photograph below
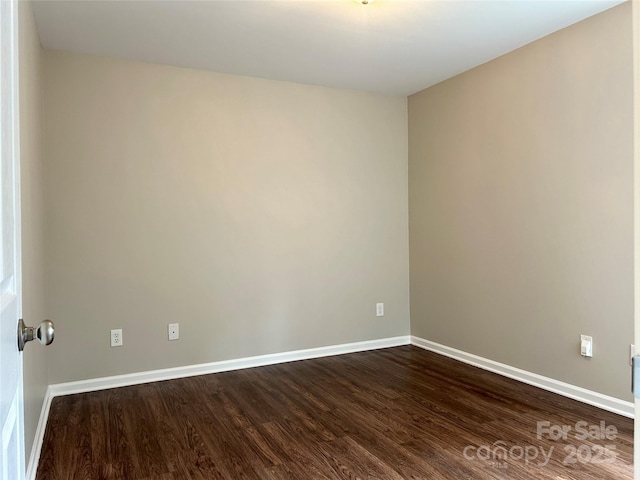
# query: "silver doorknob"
x,y
44,333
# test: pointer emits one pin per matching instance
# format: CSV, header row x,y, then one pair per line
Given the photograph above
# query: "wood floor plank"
x,y
350,460
393,413
72,419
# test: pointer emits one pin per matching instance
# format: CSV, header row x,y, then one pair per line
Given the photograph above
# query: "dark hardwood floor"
x,y
396,413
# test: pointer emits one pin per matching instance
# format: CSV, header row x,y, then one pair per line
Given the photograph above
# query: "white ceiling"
x,y
389,46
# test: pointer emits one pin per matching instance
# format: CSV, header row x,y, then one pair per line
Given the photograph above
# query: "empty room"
x,y
319,239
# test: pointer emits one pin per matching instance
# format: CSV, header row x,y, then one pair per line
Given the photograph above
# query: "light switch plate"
x,y
586,346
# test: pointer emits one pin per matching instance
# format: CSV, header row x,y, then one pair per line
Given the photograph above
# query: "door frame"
x,y
635,6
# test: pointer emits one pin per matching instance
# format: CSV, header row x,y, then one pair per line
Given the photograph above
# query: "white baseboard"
x,y
104,383
34,457
590,397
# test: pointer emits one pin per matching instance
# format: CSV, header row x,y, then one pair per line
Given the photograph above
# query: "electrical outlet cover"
x,y
174,331
116,338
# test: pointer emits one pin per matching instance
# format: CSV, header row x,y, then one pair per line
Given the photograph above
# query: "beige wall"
x,y
33,266
262,216
521,206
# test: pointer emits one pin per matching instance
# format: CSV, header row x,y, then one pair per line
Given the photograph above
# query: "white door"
x,y
11,416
